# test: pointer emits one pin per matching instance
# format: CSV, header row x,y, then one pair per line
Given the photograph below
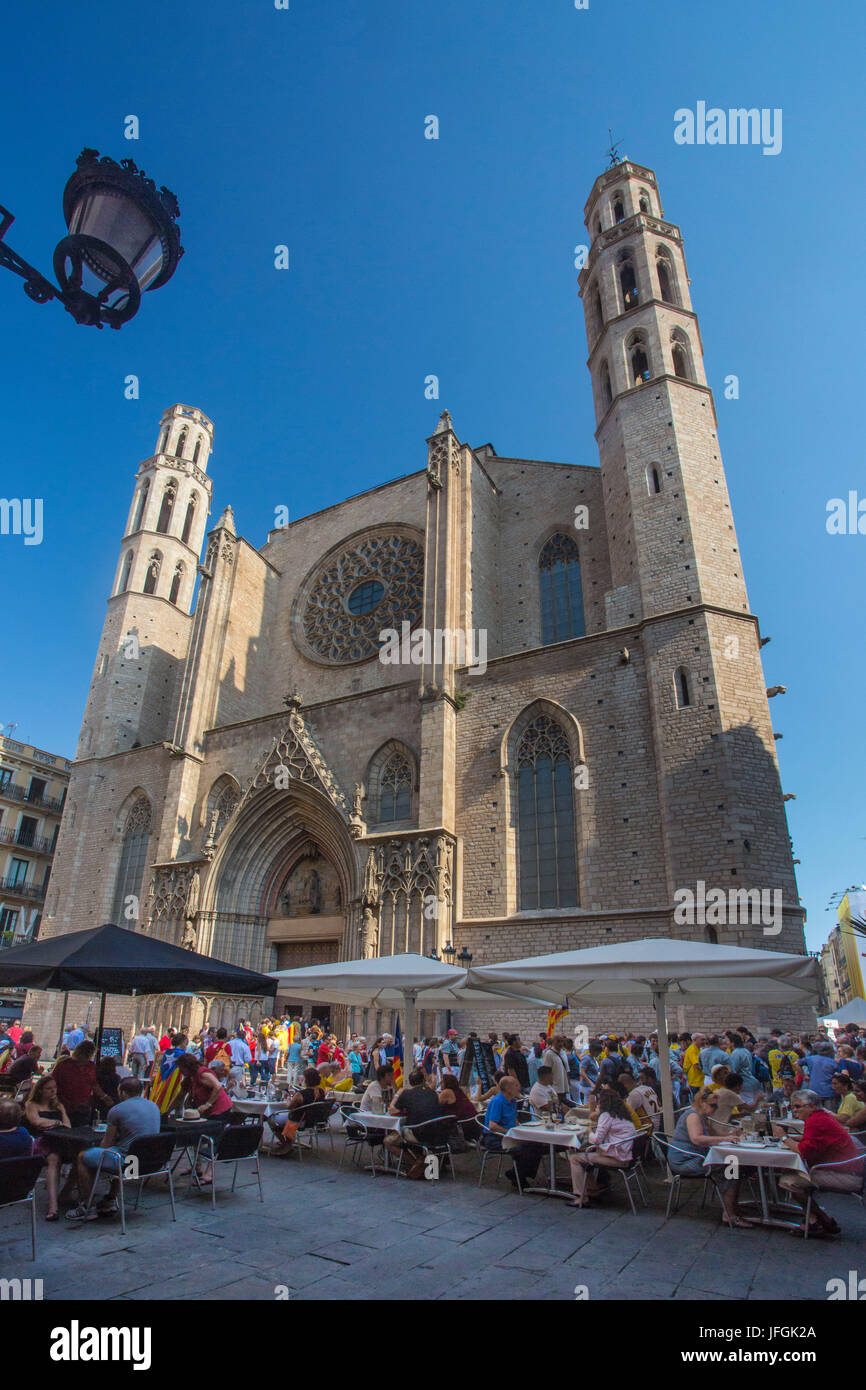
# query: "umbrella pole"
x,y
408,1036
99,1027
62,1021
659,996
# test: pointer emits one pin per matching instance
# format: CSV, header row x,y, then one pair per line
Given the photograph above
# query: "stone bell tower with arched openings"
x,y
146,632
675,563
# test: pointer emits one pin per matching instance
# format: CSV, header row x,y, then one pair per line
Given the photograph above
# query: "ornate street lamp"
x,y
465,958
449,952
122,239
434,955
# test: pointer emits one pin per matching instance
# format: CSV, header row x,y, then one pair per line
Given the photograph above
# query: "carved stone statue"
x,y
190,935
368,932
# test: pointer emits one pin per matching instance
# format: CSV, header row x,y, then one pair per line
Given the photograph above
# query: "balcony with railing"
x,y
12,888
13,792
39,844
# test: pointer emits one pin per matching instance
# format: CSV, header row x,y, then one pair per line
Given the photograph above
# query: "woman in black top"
x,y
42,1114
108,1080
286,1124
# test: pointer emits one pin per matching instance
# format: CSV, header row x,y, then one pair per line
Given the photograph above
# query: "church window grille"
x,y
547,869
395,789
133,858
561,591
332,628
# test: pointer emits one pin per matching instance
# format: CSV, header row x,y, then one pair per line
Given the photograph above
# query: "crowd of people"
x,y
723,1083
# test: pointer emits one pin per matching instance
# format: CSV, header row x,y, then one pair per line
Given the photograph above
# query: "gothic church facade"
x,y
252,778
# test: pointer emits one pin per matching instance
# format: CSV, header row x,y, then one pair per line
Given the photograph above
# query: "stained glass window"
x,y
561,592
395,789
547,869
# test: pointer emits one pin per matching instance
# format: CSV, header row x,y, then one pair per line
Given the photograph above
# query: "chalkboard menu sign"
x,y
112,1043
480,1055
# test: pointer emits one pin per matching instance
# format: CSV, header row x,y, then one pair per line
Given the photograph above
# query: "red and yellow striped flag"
x,y
553,1017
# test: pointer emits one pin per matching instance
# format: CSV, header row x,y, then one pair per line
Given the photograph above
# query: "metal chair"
x,y
676,1179
840,1163
147,1157
360,1129
18,1178
434,1137
237,1144
490,1152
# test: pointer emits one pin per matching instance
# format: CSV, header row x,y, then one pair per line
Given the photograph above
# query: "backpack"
x,y
760,1070
222,1055
786,1066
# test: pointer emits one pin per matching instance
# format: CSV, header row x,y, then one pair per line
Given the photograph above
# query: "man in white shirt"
x,y
379,1093
142,1051
554,1057
542,1096
241,1055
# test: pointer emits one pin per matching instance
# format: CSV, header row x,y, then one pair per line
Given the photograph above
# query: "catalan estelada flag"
x,y
398,1057
166,1081
553,1017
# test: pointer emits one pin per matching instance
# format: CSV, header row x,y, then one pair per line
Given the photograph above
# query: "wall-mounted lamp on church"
x,y
122,239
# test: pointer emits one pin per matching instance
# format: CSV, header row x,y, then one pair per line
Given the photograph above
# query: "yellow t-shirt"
x,y
691,1065
283,1039
849,1105
774,1057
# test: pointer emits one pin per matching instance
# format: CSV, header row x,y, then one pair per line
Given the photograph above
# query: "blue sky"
x,y
454,257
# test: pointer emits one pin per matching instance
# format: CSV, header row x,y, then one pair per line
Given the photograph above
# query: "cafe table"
x,y
767,1158
369,1120
564,1136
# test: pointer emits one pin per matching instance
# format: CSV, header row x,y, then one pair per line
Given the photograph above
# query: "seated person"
x,y
718,1075
730,1098
333,1078
641,1101
611,1141
15,1140
500,1116
854,1118
42,1114
783,1092
454,1101
692,1139
132,1118
417,1104
833,1156
843,1089
380,1092
26,1066
542,1096
300,1112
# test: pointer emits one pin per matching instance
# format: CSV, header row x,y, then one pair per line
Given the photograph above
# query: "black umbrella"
x,y
115,960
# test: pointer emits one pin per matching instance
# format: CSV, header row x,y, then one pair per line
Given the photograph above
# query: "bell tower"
x,y
676,574
146,631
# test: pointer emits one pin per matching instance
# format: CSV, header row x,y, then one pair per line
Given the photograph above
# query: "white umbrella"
x,y
852,1012
688,972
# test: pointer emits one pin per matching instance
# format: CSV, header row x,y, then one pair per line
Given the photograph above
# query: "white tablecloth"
x,y
752,1156
366,1117
258,1107
564,1136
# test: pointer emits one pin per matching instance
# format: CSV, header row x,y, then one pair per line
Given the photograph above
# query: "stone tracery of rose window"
x,y
374,584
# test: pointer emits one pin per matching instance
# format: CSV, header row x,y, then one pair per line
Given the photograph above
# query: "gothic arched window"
x,y
152,575
604,386
682,686
197,450
222,800
133,858
643,201
598,311
176,581
561,592
180,445
125,573
395,788
547,870
142,503
681,355
638,359
628,284
188,519
618,208
165,511
667,279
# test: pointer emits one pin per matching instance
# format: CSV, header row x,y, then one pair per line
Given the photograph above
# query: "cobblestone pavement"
x,y
323,1232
